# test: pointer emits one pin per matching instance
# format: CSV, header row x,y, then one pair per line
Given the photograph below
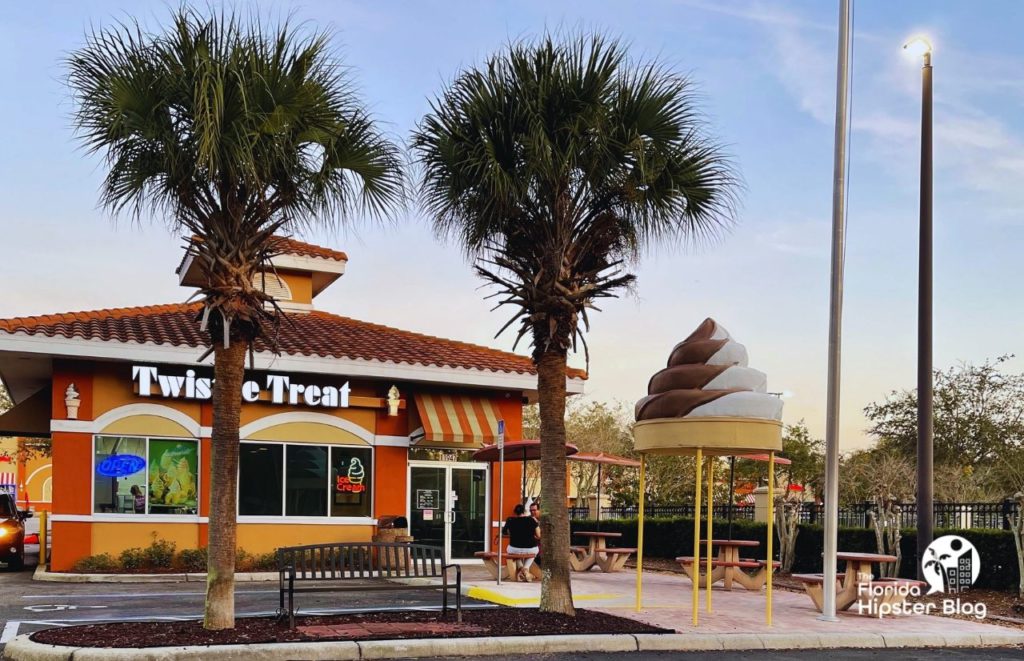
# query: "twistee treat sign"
x,y
278,389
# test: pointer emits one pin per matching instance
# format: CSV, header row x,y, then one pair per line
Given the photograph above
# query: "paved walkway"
x,y
667,599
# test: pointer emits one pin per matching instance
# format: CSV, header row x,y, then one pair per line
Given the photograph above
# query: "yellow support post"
x,y
711,472
771,532
44,540
696,538
640,538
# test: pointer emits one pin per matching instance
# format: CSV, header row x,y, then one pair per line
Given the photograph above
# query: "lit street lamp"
x,y
925,450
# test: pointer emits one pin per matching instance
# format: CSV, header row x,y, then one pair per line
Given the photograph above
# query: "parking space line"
x,y
10,631
133,595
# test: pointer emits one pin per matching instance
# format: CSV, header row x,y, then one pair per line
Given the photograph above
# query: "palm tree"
x,y
233,135
553,166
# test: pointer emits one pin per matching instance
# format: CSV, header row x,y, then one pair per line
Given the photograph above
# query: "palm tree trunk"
x,y
228,371
556,589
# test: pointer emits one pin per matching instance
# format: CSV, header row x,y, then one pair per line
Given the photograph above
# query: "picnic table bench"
x,y
729,567
599,553
362,567
509,570
726,571
854,585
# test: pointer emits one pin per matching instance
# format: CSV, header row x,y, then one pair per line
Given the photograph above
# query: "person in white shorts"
x,y
523,531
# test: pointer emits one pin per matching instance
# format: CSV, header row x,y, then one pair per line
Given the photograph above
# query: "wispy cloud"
x,y
974,148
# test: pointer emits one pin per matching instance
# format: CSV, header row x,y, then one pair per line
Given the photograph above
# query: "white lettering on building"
x,y
280,389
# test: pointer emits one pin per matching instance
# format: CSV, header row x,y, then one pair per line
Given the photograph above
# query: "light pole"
x,y
925,447
835,323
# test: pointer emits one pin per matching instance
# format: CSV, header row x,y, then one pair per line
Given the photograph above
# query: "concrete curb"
x,y
23,649
41,574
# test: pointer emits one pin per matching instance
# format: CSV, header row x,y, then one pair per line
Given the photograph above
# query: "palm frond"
x,y
234,133
556,163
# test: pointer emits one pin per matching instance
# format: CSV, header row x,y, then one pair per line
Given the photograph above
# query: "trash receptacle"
x,y
393,528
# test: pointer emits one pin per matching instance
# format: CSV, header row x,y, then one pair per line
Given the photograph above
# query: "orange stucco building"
x,y
348,422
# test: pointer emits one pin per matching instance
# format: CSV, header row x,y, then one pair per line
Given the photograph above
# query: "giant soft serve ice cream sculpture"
x,y
708,397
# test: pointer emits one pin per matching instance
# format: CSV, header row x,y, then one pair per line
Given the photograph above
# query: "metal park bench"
x,y
362,567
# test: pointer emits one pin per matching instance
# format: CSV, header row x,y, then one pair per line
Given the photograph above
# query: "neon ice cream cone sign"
x,y
353,481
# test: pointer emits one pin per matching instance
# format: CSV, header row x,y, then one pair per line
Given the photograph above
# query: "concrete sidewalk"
x,y
737,619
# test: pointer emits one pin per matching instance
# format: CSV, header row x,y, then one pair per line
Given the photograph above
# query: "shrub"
x,y
158,555
243,560
191,560
103,562
265,561
132,559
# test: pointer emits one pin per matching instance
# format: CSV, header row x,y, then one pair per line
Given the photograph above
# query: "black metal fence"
x,y
685,511
963,516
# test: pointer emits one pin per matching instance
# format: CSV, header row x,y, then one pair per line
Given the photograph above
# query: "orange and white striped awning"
x,y
471,421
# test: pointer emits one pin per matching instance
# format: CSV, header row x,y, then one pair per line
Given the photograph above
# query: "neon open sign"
x,y
121,465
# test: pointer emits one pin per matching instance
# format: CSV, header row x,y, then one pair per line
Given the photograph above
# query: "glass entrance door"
x,y
427,490
468,512
448,507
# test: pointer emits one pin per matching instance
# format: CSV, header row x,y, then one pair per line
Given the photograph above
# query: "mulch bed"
x,y
366,626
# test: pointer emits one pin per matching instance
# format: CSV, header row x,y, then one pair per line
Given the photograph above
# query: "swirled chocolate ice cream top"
x,y
707,376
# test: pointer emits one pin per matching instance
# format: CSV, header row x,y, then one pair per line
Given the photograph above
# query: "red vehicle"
x,y
12,532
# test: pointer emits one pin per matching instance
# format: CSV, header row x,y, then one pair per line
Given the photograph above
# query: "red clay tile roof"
x,y
290,246
313,334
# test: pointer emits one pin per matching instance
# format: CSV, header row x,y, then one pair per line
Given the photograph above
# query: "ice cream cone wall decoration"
x,y
394,399
72,401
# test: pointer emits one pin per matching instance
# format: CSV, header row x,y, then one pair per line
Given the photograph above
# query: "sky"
x,y
766,75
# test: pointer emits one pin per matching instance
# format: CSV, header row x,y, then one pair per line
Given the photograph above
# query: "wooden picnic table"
x,y
728,566
848,585
858,571
597,542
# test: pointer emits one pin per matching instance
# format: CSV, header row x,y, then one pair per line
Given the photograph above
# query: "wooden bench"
x,y
362,567
814,587
725,571
509,571
613,560
578,558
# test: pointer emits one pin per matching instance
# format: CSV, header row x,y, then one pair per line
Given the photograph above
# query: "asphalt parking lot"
x,y
27,605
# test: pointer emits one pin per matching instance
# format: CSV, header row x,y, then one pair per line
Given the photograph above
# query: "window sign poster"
x,y
428,515
173,476
426,499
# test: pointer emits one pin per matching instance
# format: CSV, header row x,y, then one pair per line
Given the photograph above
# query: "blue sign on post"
x,y
501,433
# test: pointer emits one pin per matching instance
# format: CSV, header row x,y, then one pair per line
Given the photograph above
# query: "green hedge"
x,y
673,537
161,556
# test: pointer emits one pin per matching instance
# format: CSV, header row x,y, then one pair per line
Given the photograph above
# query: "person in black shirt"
x,y
523,532
535,515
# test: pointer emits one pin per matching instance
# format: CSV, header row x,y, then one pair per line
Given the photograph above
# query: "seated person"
x,y
524,533
138,499
535,514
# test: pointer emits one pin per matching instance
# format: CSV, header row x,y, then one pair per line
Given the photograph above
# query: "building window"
x,y
350,481
304,480
305,487
261,471
136,475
